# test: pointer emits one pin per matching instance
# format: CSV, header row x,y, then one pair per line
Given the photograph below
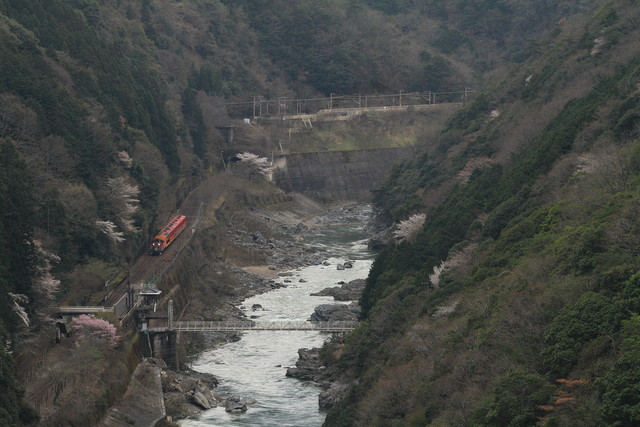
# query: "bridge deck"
x,y
228,326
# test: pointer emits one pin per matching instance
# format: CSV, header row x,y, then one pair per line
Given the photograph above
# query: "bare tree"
x,y
17,121
79,205
610,167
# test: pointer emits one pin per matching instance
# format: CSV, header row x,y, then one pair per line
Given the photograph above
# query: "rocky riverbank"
x,y
310,366
279,238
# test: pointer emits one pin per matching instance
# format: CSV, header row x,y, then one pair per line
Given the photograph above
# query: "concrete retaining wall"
x,y
337,175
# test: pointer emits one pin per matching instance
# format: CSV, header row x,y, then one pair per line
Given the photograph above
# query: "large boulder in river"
x,y
309,366
198,398
347,292
236,404
335,313
188,392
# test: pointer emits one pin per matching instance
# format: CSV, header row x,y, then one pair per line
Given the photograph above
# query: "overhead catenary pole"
x,y
313,105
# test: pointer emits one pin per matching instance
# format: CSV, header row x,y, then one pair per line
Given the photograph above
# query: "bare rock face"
x,y
336,392
188,392
308,367
142,403
382,239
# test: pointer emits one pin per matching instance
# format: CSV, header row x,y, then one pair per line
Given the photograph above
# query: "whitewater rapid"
x,y
255,367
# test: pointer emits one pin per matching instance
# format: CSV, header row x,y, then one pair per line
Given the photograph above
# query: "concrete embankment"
x,y
143,403
337,175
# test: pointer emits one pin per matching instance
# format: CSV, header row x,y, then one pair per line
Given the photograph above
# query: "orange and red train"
x,y
168,234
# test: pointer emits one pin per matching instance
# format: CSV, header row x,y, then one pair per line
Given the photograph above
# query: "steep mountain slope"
x,y
516,303
103,126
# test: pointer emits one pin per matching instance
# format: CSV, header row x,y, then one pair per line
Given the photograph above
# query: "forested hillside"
x,y
516,303
103,131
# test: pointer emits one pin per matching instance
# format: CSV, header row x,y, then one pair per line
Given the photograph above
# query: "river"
x,y
254,367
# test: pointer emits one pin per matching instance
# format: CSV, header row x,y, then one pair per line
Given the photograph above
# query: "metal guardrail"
x,y
262,107
347,113
84,310
228,326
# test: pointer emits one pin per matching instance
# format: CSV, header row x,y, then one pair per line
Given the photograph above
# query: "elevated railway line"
x,y
336,106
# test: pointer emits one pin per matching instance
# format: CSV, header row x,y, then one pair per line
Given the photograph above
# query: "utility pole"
x,y
224,164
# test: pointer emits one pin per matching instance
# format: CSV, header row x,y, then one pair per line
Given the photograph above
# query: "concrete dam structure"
x,y
337,175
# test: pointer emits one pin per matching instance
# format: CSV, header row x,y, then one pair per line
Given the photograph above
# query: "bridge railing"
x,y
84,309
228,326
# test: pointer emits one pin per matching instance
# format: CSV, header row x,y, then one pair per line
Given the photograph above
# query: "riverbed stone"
x,y
335,312
351,291
283,255
235,404
200,400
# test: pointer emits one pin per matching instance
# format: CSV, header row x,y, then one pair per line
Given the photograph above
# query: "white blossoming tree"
x,y
45,287
408,229
123,203
109,229
44,283
256,165
455,260
124,159
20,301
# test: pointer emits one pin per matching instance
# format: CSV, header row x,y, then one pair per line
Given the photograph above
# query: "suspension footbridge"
x,y
230,326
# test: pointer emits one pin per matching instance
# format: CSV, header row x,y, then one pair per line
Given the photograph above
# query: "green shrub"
x,y
620,388
577,324
514,401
